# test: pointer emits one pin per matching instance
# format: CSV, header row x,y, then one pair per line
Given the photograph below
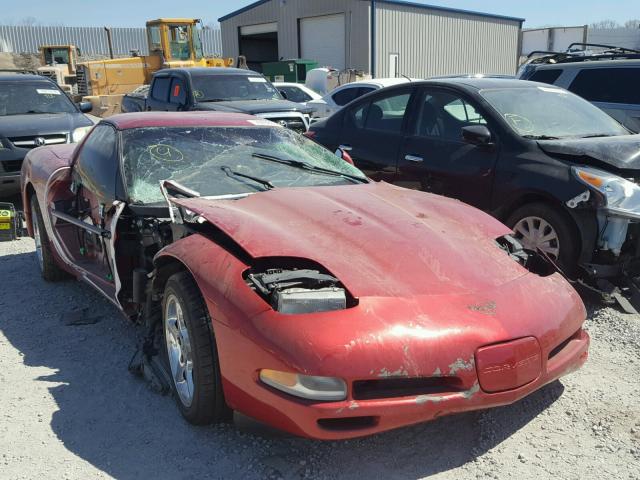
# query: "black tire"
x,y
208,404
568,240
49,269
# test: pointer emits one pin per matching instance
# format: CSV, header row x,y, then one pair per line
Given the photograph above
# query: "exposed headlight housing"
x,y
79,133
620,196
327,389
296,291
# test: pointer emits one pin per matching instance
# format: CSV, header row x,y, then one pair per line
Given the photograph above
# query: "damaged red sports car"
x,y
274,278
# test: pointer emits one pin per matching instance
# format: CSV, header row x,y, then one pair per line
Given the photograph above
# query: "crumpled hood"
x,y
621,152
253,107
378,239
41,124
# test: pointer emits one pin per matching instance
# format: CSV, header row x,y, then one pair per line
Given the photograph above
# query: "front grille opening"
x,y
12,165
349,423
405,387
562,346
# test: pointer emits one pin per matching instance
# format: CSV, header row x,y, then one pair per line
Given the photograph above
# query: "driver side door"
x,y
97,184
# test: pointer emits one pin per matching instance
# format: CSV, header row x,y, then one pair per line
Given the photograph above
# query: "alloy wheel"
x,y
179,349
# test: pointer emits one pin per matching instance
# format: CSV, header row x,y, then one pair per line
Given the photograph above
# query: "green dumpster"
x,y
288,70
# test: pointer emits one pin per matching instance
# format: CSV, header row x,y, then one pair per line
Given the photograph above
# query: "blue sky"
x,y
133,13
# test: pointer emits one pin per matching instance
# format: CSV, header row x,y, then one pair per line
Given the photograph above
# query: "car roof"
x,y
23,77
206,71
125,121
382,82
590,64
482,83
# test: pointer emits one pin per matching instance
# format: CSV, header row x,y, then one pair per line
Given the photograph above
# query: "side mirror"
x,y
85,107
478,135
284,94
344,155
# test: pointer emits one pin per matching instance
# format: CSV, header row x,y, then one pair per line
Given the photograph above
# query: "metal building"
x,y
386,38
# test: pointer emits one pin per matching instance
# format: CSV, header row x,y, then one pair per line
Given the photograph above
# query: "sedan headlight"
x,y
621,197
328,389
79,133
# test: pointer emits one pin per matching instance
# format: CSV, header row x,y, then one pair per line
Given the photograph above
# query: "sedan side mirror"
x,y
344,155
478,135
85,107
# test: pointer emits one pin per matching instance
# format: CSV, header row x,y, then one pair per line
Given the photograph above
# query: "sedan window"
x,y
295,94
444,114
345,95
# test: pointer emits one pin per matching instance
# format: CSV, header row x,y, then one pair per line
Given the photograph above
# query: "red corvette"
x,y
275,279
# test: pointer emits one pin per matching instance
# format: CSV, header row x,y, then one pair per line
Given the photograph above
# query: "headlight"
x,y
302,300
79,133
328,389
621,197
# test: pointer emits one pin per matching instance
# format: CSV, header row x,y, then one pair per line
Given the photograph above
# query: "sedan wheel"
x,y
179,350
48,267
36,233
536,233
191,355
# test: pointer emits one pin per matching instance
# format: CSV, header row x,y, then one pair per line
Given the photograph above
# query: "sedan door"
x,y
373,132
434,156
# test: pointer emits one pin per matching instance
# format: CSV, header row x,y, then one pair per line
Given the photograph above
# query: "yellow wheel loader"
x,y
173,42
59,64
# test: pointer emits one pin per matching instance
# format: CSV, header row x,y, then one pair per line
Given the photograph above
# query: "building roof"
x,y
124,121
395,2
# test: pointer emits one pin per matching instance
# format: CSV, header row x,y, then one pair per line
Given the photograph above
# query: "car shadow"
x,y
113,420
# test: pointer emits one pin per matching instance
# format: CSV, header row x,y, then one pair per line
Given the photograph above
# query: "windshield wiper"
x,y
232,173
596,135
540,137
307,166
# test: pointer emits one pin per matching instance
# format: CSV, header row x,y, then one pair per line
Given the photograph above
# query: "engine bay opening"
x,y
535,262
295,286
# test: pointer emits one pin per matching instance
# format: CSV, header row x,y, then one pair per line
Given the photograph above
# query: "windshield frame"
x,y
226,196
547,88
45,85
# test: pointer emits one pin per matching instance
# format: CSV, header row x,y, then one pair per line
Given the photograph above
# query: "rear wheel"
x,y
191,353
540,227
48,266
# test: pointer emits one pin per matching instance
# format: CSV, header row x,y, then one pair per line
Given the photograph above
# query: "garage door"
x,y
323,39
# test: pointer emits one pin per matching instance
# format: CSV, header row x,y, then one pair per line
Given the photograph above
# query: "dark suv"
x,y
34,112
555,168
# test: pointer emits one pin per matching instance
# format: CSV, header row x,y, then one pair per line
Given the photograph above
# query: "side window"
x,y
463,112
295,94
160,88
97,164
610,85
364,90
154,39
345,95
387,113
444,114
177,93
545,75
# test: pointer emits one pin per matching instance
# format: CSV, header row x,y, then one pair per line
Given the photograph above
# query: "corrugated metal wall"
x,y
287,15
91,40
433,42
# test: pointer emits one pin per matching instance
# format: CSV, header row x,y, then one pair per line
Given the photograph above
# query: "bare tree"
x,y
29,21
605,24
635,23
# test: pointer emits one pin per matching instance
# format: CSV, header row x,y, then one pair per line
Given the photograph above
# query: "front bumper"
x,y
355,418
397,339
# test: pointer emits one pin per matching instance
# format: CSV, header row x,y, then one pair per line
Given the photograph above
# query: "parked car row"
x,y
311,290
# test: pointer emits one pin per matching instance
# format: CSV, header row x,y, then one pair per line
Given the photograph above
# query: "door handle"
x,y
413,158
346,148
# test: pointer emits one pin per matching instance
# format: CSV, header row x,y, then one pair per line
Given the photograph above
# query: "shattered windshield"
x,y
548,113
216,88
217,161
22,98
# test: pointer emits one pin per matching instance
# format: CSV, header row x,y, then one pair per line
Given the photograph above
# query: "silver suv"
x,y
609,79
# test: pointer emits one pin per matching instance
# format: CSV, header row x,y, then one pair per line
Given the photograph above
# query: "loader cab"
x,y
53,55
175,39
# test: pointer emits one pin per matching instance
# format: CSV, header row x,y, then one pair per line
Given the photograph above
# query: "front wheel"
x,y
48,266
191,353
540,227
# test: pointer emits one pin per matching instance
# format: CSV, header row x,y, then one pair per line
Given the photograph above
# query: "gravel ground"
x,y
70,410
